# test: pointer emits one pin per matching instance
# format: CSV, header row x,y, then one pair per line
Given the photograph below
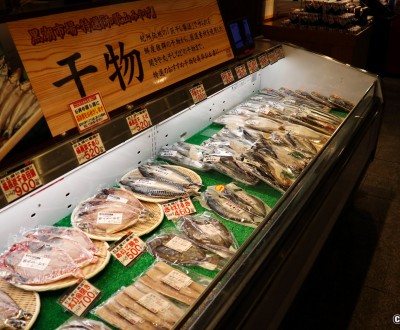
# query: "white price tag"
x,y
34,262
178,208
127,249
20,182
177,280
139,121
198,93
153,302
109,218
178,244
88,148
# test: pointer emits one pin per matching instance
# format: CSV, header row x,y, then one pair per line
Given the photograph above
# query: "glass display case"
x,y
273,258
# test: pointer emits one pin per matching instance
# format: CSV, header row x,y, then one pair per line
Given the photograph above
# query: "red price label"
x,y
252,66
139,121
81,298
89,112
128,249
198,93
227,77
241,71
88,148
20,182
178,208
263,60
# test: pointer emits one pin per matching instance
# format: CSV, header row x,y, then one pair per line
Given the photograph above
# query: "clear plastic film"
x,y
82,323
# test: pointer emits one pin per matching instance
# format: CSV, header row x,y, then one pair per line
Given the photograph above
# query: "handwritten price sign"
x,y
263,60
20,182
81,298
178,208
139,121
88,148
252,66
241,71
227,77
198,93
127,249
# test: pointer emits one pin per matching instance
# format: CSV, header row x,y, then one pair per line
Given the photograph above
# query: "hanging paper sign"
x,y
179,207
263,60
127,249
227,77
241,71
79,300
20,181
138,121
252,65
89,112
198,93
125,51
88,147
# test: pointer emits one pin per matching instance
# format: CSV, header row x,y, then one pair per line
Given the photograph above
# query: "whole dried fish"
x,y
102,217
167,173
11,315
209,233
76,323
178,249
156,188
229,210
34,262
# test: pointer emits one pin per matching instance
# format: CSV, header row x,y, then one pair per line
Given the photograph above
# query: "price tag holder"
x,y
88,147
241,71
252,65
263,60
20,181
127,249
80,299
138,121
227,77
179,207
198,93
89,112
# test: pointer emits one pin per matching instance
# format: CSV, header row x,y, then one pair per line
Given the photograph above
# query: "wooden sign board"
x,y
122,51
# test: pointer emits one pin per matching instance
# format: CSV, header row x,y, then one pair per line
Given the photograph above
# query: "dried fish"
x,y
156,188
210,233
229,210
178,249
168,173
11,315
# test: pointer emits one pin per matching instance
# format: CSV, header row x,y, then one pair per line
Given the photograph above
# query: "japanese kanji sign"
x,y
122,51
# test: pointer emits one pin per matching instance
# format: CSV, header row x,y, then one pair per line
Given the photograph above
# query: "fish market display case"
x,y
260,281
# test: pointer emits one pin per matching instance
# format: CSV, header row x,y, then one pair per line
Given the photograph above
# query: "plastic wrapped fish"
x,y
11,315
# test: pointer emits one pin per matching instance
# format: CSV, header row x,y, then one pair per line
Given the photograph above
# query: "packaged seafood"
x,y
76,323
176,248
229,206
139,307
185,154
170,173
11,315
101,217
180,284
33,262
209,232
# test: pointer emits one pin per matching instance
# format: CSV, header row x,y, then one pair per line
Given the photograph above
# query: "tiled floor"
x,y
355,283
